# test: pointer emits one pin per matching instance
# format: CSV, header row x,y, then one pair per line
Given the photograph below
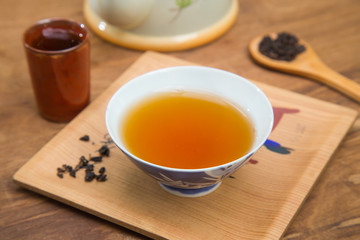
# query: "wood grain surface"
x,y
257,202
332,27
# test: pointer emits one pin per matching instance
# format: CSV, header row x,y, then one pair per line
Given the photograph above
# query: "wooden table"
x,y
332,209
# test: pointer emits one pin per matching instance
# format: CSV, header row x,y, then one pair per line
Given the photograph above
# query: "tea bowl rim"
x,y
245,157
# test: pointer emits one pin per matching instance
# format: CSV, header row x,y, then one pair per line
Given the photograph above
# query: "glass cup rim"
x,y
45,21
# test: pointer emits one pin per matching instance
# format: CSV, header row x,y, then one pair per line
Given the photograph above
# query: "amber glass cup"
x,y
58,56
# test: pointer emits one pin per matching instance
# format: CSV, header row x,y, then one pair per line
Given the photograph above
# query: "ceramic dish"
x,y
161,25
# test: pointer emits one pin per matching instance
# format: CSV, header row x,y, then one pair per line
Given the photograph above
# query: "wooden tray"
x,y
257,202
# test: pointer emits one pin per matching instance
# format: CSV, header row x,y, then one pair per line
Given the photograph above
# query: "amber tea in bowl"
x,y
187,130
189,127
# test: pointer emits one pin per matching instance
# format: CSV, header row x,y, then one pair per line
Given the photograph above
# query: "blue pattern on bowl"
x,y
193,179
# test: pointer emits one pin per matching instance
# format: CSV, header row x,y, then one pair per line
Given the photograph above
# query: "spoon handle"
x,y
319,71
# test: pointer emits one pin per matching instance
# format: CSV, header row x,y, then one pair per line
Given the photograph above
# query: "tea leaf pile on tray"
x,y
88,163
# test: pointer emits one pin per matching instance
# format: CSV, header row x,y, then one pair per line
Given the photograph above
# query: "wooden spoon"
x,y
307,64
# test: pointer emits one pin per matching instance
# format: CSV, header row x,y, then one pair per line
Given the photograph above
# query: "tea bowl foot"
x,y
191,193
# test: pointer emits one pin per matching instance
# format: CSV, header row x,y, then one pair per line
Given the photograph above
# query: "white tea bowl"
x,y
231,87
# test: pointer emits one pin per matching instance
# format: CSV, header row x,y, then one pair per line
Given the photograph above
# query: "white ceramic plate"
x,y
166,26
